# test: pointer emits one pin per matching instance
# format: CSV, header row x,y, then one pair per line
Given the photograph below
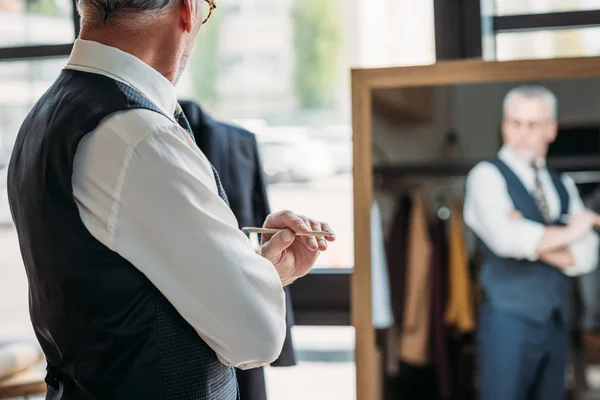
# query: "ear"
x,y
552,132
503,131
188,14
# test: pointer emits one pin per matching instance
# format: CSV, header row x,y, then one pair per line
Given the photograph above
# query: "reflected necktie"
x,y
540,199
183,122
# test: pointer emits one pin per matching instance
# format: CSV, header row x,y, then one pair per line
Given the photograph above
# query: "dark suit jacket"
x,y
234,153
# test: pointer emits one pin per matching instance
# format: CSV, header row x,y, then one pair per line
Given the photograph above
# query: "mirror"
x,y
426,295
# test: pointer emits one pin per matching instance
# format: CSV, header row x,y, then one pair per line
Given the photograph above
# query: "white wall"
x,y
476,113
479,110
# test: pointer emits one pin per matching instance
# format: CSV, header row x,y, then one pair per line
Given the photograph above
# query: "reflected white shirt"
x,y
488,204
145,190
381,305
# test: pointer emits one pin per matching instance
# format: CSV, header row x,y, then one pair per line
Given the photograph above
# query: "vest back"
x,y
106,331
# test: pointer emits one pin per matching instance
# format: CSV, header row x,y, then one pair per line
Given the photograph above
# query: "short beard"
x,y
185,57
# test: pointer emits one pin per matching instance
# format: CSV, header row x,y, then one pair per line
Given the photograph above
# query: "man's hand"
x,y
293,256
515,215
559,258
581,223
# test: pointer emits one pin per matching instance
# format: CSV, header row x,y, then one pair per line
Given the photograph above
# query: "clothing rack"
x,y
583,170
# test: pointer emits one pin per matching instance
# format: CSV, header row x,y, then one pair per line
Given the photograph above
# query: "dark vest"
x,y
533,290
106,331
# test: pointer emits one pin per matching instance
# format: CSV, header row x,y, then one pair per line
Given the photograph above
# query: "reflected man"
x,y
536,233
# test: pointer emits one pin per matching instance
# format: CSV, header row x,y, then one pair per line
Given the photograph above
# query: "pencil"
x,y
271,231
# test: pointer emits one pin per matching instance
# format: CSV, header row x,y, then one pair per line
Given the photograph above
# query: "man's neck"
x,y
149,48
540,160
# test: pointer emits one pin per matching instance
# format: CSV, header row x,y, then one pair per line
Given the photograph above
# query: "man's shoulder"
x,y
484,170
133,125
486,164
566,179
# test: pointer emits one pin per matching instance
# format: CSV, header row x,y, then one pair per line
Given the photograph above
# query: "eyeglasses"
x,y
529,125
207,9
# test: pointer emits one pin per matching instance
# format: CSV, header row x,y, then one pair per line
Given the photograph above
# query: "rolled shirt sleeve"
x,y
584,250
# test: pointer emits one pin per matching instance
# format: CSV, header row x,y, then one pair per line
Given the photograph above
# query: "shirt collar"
x,y
117,64
507,155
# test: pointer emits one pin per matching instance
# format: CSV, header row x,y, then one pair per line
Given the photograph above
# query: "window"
x,y
577,42
281,69
511,7
530,29
22,83
36,22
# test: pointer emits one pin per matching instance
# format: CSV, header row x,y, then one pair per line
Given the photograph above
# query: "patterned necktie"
x,y
540,199
183,122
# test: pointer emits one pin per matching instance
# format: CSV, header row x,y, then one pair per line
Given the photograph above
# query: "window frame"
x,y
321,298
546,21
464,30
42,51
534,22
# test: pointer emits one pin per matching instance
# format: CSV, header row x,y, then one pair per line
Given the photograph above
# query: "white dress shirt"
x,y
145,190
488,204
381,307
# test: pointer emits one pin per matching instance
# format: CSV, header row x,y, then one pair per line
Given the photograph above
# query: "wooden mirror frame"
x,y
364,82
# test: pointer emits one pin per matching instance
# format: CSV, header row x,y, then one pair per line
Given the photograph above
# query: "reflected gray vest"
x,y
533,290
105,329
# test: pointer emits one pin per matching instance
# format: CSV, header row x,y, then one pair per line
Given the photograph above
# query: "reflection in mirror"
x,y
462,247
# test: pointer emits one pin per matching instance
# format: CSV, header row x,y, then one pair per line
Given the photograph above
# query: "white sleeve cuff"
x,y
585,255
529,236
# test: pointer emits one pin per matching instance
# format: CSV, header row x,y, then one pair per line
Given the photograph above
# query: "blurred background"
x,y
281,69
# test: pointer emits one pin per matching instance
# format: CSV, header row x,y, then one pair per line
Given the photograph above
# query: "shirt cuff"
x,y
241,366
529,237
583,261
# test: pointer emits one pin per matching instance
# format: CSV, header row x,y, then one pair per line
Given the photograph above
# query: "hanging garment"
x,y
414,341
590,283
396,243
459,312
396,256
380,292
439,334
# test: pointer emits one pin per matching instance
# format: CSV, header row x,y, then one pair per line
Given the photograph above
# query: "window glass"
x,y
289,83
36,22
548,44
510,7
22,83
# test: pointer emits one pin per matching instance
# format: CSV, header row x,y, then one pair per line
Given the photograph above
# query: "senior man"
x,y
141,284
517,206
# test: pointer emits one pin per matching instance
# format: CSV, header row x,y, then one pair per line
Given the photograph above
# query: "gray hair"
x,y
98,12
532,92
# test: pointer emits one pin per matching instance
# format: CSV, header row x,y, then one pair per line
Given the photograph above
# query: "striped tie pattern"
x,y
183,122
540,199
